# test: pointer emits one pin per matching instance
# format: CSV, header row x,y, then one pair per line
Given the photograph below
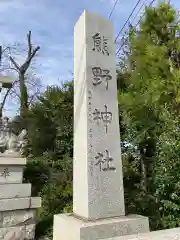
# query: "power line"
x,y
134,18
113,8
134,27
127,20
138,11
144,13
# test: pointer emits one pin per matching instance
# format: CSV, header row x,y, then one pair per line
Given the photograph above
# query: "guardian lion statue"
x,y
9,142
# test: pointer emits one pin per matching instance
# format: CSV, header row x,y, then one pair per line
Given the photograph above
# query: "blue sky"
x,y
52,23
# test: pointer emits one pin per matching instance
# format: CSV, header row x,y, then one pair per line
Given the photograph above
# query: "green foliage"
x,y
49,152
167,179
36,172
149,103
50,122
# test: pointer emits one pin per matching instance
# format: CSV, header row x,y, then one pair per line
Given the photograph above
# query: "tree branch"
x,y
15,94
7,48
14,63
5,97
8,68
29,44
4,100
31,100
7,93
25,66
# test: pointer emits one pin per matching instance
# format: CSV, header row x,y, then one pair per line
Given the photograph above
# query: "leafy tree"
x,y
49,152
149,105
55,110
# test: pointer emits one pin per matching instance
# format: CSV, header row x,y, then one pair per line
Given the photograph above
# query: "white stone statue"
x,y
10,144
21,140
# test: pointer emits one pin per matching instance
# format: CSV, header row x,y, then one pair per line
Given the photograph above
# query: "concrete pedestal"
x,y
69,227
168,234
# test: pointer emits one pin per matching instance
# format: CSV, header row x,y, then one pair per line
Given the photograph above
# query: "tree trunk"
x,y
143,168
144,174
3,103
22,72
24,96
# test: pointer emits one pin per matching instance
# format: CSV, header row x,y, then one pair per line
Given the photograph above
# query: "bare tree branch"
x,y
14,94
14,63
29,44
24,88
3,102
25,66
5,97
31,100
8,68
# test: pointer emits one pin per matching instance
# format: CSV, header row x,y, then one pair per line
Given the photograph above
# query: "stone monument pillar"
x,y
98,194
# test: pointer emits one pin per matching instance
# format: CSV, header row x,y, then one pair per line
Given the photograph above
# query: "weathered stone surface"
x,y
11,174
35,202
97,168
17,217
12,161
68,227
19,203
169,234
18,233
15,190
11,169
17,207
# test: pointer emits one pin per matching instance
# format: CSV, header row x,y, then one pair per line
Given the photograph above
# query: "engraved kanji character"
x,y
97,115
100,161
107,160
106,117
106,76
5,173
105,47
97,75
97,42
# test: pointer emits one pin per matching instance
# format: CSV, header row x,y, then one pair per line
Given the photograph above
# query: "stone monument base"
x,y
18,232
168,234
69,227
17,207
